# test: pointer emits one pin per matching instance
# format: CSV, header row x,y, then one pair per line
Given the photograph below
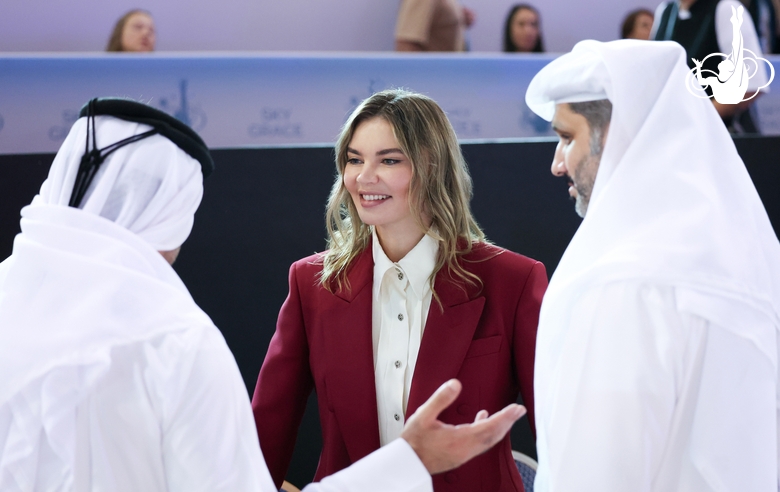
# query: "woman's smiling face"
x,y
377,176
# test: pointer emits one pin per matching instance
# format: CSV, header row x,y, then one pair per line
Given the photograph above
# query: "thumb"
x,y
441,399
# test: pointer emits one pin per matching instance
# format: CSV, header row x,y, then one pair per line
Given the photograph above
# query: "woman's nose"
x,y
367,174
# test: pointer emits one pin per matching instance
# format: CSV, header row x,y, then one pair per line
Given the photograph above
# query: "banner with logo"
x,y
238,100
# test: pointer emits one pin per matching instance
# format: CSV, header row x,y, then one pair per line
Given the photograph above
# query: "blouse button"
x,y
397,364
400,317
397,417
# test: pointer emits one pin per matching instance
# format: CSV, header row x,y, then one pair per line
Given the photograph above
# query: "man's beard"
x,y
582,179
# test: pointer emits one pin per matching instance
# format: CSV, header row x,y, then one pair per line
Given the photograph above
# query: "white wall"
x,y
281,25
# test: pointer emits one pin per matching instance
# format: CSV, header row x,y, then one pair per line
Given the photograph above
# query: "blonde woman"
x,y
408,295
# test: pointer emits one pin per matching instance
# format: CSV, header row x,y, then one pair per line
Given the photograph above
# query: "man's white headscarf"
x,y
151,188
81,282
672,200
672,203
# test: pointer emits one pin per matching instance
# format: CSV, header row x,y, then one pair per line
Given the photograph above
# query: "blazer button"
x,y
450,477
400,276
400,317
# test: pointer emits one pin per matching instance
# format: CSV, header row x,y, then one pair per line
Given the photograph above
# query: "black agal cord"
x,y
92,159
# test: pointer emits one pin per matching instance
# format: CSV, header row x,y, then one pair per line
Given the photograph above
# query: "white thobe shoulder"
x,y
635,393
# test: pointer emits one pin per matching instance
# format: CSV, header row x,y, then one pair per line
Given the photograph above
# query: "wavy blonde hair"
x,y
440,186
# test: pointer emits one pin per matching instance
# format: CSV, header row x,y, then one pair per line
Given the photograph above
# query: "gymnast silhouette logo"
x,y
730,84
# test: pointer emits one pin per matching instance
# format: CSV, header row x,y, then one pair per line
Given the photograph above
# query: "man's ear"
x,y
170,256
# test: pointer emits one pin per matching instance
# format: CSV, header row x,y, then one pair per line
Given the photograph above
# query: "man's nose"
x,y
558,168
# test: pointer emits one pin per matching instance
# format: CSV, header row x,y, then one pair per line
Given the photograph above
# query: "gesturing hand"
x,y
441,446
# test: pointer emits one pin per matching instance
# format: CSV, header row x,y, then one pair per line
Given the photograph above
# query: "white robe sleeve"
x,y
210,439
209,436
392,468
613,391
646,396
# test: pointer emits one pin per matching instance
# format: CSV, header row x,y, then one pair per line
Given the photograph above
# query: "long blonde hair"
x,y
440,186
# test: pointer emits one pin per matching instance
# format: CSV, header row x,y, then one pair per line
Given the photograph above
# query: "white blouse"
x,y
401,300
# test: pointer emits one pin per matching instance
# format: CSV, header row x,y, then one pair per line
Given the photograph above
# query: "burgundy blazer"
x,y
484,337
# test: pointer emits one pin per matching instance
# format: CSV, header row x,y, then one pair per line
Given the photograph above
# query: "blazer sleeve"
x,y
526,324
284,385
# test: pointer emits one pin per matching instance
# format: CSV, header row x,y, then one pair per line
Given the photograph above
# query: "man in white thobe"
x,y
112,378
657,350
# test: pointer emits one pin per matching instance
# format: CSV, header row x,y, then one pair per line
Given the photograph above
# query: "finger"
x,y
441,399
505,418
481,415
493,429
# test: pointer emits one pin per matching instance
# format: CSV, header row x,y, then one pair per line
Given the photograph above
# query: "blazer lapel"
x,y
350,371
445,341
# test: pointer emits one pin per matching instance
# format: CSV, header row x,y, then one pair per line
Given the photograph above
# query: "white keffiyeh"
x,y
673,215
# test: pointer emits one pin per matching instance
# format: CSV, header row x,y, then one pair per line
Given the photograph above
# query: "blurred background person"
x,y
638,24
432,25
522,30
704,27
133,32
764,15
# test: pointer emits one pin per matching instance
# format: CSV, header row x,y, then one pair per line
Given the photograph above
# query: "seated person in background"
x,y
133,32
432,25
638,24
523,31
112,377
704,27
765,18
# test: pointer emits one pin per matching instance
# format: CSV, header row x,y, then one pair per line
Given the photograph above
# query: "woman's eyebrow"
x,y
390,151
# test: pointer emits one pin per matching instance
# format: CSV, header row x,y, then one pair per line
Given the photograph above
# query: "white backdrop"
x,y
284,25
